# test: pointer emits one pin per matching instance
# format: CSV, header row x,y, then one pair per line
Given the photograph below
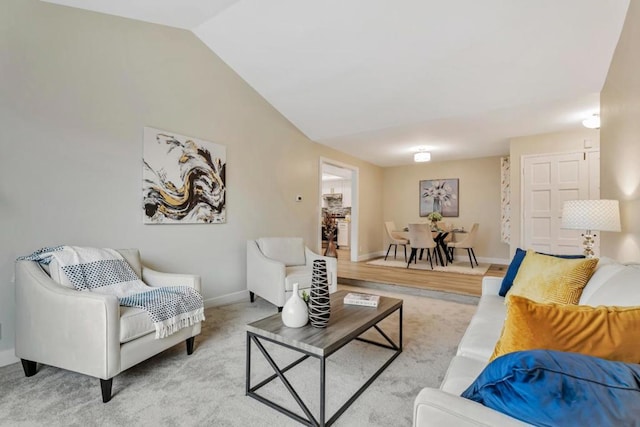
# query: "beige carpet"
x,y
460,267
208,387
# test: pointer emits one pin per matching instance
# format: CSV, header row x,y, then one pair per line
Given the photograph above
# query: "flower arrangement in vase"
x,y
434,217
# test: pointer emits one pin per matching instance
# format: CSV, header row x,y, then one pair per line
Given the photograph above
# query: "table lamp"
x,y
591,215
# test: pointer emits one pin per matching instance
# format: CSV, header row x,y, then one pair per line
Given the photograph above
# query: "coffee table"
x,y
347,323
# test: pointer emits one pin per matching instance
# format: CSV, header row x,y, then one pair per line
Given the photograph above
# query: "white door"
x,y
548,181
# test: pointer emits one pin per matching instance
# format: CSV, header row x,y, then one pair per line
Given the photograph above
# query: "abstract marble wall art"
x,y
183,179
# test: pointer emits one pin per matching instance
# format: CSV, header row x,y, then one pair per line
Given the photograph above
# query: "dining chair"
x,y
396,240
421,238
467,243
446,226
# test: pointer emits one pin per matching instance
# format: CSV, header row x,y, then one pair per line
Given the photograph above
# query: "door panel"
x,y
548,181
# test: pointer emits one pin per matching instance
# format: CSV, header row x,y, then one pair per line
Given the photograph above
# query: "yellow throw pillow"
x,y
607,332
545,278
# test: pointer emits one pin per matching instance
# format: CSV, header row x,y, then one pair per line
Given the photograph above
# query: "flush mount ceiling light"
x,y
592,122
422,156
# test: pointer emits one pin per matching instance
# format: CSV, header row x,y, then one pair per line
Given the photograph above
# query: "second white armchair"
x,y
274,264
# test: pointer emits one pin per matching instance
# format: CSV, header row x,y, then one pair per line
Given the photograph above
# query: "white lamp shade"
x,y
601,215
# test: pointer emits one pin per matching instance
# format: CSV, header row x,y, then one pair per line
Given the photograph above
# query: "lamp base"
x,y
588,244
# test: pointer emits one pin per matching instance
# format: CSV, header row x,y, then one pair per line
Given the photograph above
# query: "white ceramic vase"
x,y
294,312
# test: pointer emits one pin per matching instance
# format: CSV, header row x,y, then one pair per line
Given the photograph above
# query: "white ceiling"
x,y
378,78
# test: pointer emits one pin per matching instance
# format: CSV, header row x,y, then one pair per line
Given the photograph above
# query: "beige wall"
x,y
557,142
479,198
620,133
78,87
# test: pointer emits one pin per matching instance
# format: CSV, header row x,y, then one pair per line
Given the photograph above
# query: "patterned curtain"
x,y
505,205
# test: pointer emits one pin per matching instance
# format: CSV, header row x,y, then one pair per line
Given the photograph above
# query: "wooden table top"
x,y
345,324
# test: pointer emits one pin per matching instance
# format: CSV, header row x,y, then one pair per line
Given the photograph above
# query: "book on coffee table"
x,y
361,299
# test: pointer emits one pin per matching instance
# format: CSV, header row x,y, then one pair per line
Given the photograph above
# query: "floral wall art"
x,y
183,179
439,195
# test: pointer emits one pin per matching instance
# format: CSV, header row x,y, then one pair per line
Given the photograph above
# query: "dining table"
x,y
439,237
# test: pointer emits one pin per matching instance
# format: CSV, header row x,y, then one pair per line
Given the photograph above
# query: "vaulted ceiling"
x,y
378,78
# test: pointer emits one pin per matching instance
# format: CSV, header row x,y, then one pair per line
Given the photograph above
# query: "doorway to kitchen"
x,y
339,198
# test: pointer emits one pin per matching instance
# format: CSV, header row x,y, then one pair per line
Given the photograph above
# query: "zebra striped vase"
x,y
319,303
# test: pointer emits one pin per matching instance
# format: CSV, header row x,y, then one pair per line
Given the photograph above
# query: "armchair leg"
x,y
190,342
470,261
29,367
252,296
105,385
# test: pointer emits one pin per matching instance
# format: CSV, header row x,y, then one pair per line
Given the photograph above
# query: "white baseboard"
x,y
8,357
227,299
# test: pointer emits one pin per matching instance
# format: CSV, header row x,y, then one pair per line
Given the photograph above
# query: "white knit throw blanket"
x,y
105,271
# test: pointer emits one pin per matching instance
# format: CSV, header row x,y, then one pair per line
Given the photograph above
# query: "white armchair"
x,y
274,264
87,332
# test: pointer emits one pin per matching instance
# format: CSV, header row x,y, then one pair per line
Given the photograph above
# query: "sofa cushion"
x,y
603,273
514,266
622,288
544,387
287,250
483,331
134,323
434,407
608,332
546,278
462,371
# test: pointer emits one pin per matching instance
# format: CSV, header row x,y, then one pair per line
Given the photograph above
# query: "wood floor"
x,y
464,284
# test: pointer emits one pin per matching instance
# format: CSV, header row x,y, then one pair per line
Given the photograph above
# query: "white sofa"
x,y
87,332
612,284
